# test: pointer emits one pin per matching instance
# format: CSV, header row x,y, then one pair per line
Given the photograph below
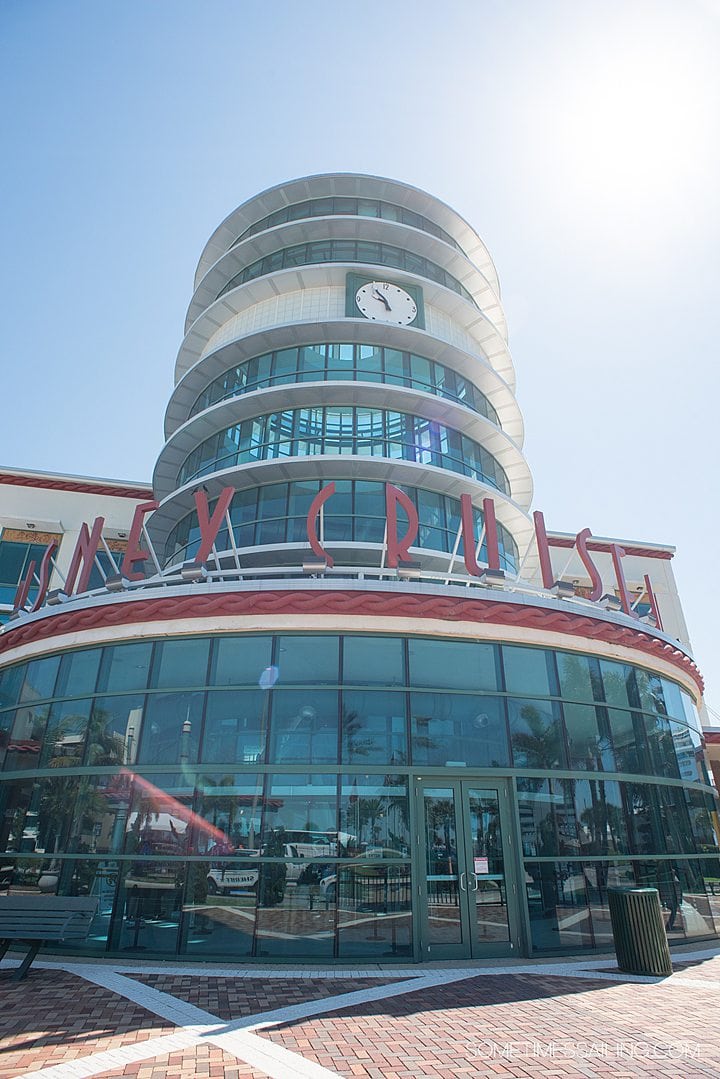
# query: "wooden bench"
x,y
34,919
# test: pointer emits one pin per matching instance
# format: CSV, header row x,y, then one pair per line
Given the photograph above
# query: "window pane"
x,y
374,816
26,737
547,817
528,670
171,728
125,667
458,729
373,661
305,807
588,734
240,661
114,730
536,734
99,819
11,679
616,677
78,673
600,817
452,664
558,906
374,728
64,744
308,659
40,679
236,727
18,830
642,813
576,683
181,663
663,761
229,809
628,736
305,726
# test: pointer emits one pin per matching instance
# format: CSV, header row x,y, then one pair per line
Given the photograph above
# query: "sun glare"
x,y
631,128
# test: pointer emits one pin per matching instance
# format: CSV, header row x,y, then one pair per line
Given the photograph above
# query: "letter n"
x,y
84,556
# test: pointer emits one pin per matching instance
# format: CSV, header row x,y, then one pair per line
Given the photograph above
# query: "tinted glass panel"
x,y
64,744
453,664
458,730
181,663
547,817
171,728
600,818
373,660
240,661
236,727
588,735
308,659
535,734
114,730
374,728
576,680
528,670
125,667
40,679
305,725
78,673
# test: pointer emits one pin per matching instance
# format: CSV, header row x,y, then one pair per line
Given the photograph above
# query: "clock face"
x,y
384,302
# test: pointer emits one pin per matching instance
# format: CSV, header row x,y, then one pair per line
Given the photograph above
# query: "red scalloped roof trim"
x,y
366,603
83,487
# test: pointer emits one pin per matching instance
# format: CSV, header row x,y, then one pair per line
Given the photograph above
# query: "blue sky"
x,y
581,140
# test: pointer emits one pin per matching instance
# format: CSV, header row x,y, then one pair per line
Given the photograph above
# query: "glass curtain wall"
x,y
251,795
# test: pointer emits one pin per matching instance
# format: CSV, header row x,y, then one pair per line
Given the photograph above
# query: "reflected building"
x,y
327,689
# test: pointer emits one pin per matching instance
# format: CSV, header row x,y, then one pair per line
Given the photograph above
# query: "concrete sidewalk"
x,y
524,1019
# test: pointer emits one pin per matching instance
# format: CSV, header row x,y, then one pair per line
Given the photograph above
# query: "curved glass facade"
x,y
260,795
342,429
277,513
333,206
359,363
365,251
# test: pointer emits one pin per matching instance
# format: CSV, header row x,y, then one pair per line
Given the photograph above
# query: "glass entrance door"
x,y
467,898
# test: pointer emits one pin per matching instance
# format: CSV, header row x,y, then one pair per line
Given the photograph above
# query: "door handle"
x,y
461,882
475,881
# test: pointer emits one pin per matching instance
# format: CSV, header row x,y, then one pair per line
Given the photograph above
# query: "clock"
x,y
385,302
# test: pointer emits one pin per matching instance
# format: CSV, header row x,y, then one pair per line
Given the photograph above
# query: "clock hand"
x,y
380,296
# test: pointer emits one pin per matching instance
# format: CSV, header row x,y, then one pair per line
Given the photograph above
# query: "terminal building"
x,y
330,688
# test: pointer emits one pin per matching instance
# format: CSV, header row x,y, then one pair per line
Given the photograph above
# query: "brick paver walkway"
x,y
231,998
567,1021
52,1018
203,1060
517,1025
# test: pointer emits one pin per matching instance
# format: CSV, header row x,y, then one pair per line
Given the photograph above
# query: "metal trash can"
x,y
638,931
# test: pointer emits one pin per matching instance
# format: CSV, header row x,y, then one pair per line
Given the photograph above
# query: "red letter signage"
x,y
581,544
468,535
617,555
313,513
396,548
491,534
134,552
84,555
44,579
548,577
210,526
